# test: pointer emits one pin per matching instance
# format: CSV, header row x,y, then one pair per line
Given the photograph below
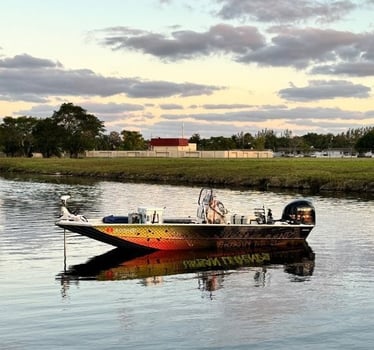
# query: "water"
x,y
328,304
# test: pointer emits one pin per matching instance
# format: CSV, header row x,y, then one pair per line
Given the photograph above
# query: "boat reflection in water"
x,y
210,266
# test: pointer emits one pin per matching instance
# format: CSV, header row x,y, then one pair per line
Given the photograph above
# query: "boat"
x,y
211,228
125,264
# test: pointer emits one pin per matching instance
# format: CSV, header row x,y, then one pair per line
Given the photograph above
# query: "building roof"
x,y
169,142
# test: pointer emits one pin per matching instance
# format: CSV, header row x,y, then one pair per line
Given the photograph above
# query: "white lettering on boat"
x,y
227,261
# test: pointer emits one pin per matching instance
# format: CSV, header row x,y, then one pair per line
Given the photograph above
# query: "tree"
x,y
9,137
17,136
79,129
133,140
48,137
195,138
271,140
115,140
260,140
243,140
366,142
110,142
219,143
319,141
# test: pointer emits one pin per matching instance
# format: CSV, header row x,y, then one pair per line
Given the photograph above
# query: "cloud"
x,y
356,59
117,110
319,113
27,62
173,128
285,10
153,89
321,50
168,106
268,114
38,111
324,90
226,106
370,114
32,79
183,44
353,69
300,47
112,108
300,119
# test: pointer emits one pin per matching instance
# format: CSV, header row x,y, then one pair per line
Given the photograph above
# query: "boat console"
x,y
147,215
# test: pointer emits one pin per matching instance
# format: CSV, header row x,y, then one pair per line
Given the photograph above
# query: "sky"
x,y
175,68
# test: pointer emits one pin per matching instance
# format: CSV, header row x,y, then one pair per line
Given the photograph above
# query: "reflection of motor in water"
x,y
210,281
304,268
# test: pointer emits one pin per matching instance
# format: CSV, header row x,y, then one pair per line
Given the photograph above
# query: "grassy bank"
x,y
312,174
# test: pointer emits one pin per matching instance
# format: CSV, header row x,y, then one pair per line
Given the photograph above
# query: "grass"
x,y
315,174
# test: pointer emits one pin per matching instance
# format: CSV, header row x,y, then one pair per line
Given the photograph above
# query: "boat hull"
x,y
191,236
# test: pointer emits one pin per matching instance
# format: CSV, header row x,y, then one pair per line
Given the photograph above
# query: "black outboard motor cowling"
x,y
299,211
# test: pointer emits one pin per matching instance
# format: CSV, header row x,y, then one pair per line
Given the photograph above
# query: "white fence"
x,y
232,154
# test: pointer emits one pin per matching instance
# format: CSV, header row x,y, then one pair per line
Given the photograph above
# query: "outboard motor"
x,y
299,211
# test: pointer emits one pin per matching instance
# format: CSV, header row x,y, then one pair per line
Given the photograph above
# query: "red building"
x,y
169,142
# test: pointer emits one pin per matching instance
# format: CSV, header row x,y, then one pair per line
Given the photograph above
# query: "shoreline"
x,y
306,174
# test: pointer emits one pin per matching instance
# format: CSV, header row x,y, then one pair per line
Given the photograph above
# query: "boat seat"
x,y
111,219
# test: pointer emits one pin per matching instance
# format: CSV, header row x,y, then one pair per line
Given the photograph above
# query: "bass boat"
x,y
211,228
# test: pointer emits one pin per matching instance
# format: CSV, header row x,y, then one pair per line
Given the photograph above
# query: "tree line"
x,y
71,130
360,140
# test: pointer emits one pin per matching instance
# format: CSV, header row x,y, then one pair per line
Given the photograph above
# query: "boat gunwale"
x,y
92,223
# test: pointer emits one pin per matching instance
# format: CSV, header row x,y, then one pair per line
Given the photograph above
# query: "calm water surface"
x,y
128,302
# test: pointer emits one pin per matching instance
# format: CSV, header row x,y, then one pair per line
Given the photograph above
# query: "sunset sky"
x,y
172,68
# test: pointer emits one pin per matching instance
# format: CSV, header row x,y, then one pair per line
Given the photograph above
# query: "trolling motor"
x,y
65,213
